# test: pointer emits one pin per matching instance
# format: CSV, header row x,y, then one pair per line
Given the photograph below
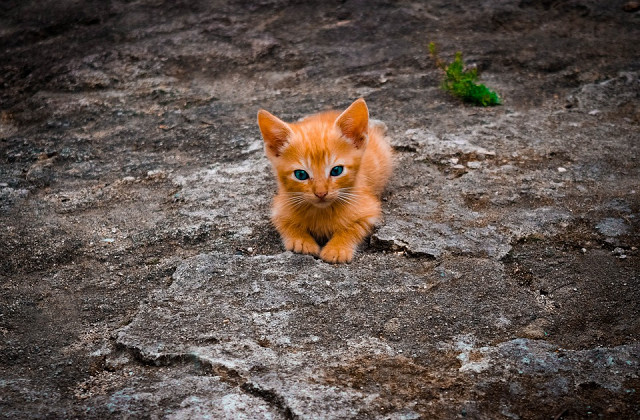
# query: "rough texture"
x,y
139,274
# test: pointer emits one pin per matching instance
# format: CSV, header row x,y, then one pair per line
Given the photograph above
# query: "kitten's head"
x,y
316,160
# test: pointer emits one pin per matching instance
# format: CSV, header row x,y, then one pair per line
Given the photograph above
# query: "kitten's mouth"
x,y
322,203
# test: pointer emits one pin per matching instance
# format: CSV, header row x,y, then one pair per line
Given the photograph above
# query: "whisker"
x,y
347,200
347,191
349,195
295,201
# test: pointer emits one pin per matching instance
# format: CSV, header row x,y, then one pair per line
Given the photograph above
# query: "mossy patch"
x,y
461,81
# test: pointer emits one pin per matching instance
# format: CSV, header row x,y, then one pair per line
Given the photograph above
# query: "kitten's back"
x,y
377,162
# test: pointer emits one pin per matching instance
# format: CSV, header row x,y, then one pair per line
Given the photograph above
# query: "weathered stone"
x,y
612,227
140,275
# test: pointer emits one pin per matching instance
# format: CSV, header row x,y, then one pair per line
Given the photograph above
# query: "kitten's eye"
x,y
336,170
300,174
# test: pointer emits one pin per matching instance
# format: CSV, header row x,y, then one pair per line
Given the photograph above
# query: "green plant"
x,y
461,82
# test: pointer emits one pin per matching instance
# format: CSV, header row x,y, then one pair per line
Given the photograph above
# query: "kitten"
x,y
331,169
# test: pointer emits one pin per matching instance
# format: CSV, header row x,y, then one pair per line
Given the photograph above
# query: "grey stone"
x,y
497,285
612,227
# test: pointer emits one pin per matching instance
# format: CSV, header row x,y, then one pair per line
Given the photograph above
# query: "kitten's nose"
x,y
321,195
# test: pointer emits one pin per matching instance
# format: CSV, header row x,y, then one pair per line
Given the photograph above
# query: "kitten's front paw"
x,y
336,254
302,246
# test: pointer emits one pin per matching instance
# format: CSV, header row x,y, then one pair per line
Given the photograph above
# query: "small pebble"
x,y
618,251
250,249
156,173
473,164
584,250
458,166
561,169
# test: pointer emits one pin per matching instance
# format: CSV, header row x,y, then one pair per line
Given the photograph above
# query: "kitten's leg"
x,y
341,246
297,239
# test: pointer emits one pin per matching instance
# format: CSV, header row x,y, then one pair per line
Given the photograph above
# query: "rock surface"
x,y
140,276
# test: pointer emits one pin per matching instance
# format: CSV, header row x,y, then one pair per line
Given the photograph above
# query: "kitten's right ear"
x,y
275,132
354,123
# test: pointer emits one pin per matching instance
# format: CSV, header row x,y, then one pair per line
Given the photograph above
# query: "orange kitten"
x,y
331,169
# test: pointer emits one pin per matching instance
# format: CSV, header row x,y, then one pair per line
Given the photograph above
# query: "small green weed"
x,y
462,83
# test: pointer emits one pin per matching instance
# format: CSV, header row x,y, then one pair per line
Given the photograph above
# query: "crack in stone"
x,y
394,245
270,397
227,374
230,376
405,148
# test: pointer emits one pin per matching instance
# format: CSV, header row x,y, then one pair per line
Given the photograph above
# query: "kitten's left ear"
x,y
275,132
354,123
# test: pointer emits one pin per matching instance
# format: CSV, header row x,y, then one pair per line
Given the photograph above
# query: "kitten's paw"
x,y
303,246
336,255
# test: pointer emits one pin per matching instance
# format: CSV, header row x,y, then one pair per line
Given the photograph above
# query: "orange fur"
x,y
338,209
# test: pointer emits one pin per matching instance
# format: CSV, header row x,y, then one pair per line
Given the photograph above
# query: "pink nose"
x,y
321,195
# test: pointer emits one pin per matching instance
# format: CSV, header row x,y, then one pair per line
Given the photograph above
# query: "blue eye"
x,y
336,170
300,174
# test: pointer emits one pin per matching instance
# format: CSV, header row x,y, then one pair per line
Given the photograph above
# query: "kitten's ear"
x,y
275,132
354,123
